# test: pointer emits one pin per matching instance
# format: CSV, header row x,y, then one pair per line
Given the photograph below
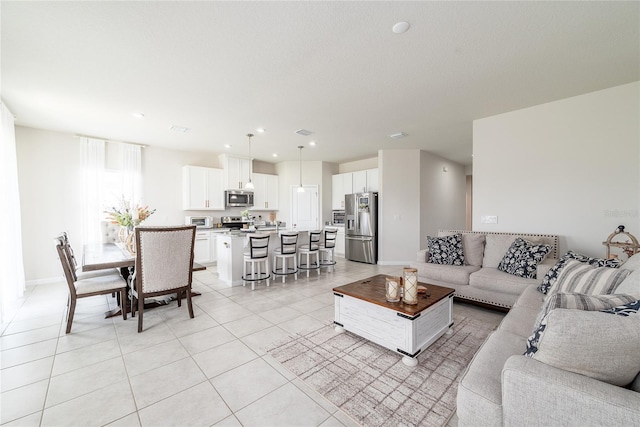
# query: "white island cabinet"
x,y
230,250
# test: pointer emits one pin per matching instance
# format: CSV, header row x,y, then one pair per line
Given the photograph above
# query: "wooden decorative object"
x,y
629,246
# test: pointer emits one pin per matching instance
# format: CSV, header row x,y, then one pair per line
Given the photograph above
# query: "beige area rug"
x,y
371,383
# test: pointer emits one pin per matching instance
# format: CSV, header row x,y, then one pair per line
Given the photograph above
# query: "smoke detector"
x,y
303,132
398,135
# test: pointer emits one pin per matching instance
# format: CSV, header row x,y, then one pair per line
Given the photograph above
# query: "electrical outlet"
x,y
489,219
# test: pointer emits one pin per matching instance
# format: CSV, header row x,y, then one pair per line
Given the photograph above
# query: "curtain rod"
x,y
110,140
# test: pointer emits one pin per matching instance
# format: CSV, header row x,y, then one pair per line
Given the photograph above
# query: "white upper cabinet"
x,y
342,184
352,182
265,193
236,172
202,188
372,179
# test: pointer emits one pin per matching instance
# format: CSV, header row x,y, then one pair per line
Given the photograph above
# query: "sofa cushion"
x,y
496,245
583,278
591,343
480,389
630,285
472,246
520,320
632,263
531,298
453,274
582,302
445,250
522,258
492,279
624,310
552,275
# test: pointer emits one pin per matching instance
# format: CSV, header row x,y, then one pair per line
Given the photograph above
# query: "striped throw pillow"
x,y
577,277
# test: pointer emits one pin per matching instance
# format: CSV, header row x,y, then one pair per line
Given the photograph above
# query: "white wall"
x,y
443,195
568,167
416,199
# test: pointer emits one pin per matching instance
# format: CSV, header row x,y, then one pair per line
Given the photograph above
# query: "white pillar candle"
x,y
410,276
393,289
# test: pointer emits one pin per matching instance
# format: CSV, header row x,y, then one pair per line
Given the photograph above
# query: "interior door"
x,y
304,208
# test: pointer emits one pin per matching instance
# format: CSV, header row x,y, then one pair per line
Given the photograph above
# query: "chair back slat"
x,y
258,246
314,240
288,243
330,238
164,257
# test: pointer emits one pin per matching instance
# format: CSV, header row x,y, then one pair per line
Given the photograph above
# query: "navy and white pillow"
x,y
625,309
446,250
522,258
552,275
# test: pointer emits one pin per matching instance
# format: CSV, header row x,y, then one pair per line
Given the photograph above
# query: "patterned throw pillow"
x,y
624,310
446,250
583,278
552,275
577,302
523,257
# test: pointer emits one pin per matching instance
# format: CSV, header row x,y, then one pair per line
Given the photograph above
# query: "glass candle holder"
x,y
393,286
410,279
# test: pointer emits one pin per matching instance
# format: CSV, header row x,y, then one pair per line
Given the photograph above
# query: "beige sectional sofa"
x,y
479,279
502,387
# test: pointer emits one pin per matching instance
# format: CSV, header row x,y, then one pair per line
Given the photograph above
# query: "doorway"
x,y
304,208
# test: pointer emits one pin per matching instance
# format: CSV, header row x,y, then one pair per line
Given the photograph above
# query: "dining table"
x,y
104,256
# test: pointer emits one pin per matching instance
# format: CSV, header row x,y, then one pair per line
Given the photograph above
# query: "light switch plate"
x,y
488,219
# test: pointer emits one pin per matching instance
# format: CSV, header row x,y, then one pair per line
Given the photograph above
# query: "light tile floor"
x,y
210,370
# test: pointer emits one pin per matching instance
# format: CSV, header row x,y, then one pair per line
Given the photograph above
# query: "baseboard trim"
x,y
45,281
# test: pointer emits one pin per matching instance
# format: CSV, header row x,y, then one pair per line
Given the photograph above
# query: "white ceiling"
x,y
223,69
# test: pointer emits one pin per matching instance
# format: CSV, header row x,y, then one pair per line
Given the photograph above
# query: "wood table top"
x,y
372,290
103,256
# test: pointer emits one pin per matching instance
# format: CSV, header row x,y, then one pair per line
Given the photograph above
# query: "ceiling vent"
x,y
398,135
303,132
181,129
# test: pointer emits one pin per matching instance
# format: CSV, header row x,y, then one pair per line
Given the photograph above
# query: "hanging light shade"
x,y
249,185
300,188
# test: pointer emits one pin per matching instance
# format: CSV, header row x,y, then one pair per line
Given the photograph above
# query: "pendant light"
x,y
300,188
249,185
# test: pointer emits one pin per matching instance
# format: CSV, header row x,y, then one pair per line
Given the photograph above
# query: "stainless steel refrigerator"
x,y
361,227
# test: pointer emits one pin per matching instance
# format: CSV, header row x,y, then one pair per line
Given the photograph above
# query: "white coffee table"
x,y
361,308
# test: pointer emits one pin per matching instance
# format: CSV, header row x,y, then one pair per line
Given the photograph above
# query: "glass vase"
x,y
410,284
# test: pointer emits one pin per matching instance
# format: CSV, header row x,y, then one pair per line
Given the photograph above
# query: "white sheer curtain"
x,y
132,173
92,211
12,281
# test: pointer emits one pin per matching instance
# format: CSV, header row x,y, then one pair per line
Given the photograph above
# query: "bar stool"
x,y
288,250
309,251
256,259
327,247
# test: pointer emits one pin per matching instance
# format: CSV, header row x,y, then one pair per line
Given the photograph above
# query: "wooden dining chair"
x,y
87,286
164,259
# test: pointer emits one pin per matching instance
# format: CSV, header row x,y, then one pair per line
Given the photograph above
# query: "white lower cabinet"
x,y
204,247
340,246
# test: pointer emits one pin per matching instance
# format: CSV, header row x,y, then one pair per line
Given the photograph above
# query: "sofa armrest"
x,y
423,255
536,394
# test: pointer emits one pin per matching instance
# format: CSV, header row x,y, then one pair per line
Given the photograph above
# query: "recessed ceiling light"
x,y
261,130
181,129
312,143
138,115
274,155
227,145
303,132
398,135
401,27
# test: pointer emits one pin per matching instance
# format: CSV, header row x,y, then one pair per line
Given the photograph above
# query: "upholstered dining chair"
x,y
327,247
87,286
311,253
164,260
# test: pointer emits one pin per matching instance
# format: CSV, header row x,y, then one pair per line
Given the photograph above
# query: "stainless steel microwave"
x,y
238,198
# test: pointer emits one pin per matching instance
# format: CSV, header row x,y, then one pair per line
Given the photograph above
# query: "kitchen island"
x,y
231,246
